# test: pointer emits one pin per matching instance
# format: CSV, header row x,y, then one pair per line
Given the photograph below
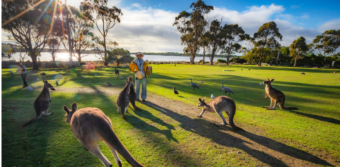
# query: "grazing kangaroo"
x,y
123,99
109,84
133,95
90,125
43,75
276,97
117,72
42,103
219,105
303,73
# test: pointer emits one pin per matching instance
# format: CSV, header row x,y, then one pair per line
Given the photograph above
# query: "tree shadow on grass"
x,y
205,129
321,118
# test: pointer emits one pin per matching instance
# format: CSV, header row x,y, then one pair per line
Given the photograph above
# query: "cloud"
x,y
144,28
333,24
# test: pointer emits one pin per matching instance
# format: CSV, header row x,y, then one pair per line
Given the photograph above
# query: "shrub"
x,y
221,61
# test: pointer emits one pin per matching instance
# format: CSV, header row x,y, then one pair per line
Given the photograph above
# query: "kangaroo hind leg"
x,y
224,122
115,154
94,149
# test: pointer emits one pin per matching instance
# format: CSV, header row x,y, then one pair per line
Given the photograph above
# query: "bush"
x,y
221,61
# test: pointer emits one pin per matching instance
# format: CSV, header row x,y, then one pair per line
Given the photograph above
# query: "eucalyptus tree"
x,y
191,26
334,38
55,38
322,45
298,48
70,35
266,37
105,18
28,24
204,43
232,35
84,38
215,37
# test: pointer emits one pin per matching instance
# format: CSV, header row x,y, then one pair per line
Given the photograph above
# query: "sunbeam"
x,y
23,12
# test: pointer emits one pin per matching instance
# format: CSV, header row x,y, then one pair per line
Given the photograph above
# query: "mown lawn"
x,y
156,137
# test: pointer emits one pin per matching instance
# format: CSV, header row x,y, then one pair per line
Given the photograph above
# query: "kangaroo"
x,y
43,75
123,99
42,103
90,125
133,95
276,97
117,72
219,105
109,84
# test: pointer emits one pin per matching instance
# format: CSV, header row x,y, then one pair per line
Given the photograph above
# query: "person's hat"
x,y
139,53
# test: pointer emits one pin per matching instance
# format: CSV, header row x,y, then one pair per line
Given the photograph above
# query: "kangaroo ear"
x,y
66,110
272,80
204,98
74,107
268,79
199,99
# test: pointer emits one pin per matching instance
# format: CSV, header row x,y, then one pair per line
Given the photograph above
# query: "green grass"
x,y
160,137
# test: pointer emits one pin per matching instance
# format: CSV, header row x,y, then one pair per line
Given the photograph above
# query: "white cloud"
x,y
144,28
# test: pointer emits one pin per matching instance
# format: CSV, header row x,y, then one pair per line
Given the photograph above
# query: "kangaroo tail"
x,y
32,120
231,120
112,139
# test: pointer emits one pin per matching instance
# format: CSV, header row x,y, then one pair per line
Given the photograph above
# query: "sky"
x,y
146,25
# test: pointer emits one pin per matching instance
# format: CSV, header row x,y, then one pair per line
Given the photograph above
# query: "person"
x,y
23,73
139,66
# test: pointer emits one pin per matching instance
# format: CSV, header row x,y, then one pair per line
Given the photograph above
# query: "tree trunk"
x,y
295,61
203,54
192,58
228,57
105,58
277,58
34,60
260,60
211,60
79,58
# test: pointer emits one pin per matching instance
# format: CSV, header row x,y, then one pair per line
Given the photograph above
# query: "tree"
x,y
232,35
55,39
118,55
298,48
322,45
84,39
284,51
204,43
71,35
334,36
106,17
266,37
215,37
30,31
191,26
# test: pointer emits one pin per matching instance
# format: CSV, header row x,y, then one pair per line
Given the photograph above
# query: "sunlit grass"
x,y
155,138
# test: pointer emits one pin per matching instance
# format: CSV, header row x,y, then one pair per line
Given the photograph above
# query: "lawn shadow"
x,y
206,129
321,118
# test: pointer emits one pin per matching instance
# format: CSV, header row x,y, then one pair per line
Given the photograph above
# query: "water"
x,y
46,56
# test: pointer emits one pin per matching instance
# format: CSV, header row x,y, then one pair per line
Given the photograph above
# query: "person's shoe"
x,y
143,100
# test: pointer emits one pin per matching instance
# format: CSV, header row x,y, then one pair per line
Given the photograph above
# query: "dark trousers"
x,y
23,76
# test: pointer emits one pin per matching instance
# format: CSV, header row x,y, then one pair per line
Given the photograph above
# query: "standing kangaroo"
x,y
42,103
90,125
123,99
133,95
219,105
276,97
117,72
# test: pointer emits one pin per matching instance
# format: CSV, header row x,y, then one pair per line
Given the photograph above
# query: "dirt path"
x,y
252,143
